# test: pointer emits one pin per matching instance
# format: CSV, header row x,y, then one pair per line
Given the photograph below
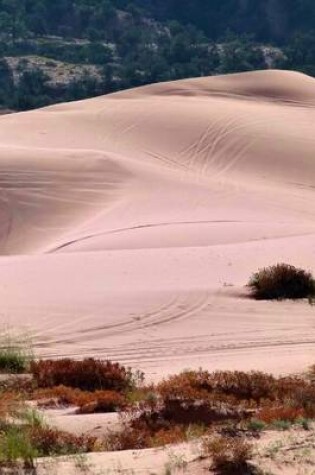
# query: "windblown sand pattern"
x,y
130,223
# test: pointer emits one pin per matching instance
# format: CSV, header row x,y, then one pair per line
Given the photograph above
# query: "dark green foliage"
x,y
33,91
12,363
15,357
6,81
137,42
282,281
268,20
300,53
240,53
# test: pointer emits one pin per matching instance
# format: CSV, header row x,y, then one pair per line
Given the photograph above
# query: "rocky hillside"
x,y
72,49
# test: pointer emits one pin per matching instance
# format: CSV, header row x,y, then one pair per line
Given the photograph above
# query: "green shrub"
x,y
282,281
16,446
15,355
11,362
256,425
305,423
24,436
282,425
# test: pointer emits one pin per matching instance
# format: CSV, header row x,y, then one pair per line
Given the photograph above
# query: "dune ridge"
x,y
131,222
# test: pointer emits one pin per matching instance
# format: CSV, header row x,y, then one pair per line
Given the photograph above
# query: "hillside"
x,y
72,49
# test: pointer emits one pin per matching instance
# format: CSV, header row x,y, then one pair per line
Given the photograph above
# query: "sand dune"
x,y
130,223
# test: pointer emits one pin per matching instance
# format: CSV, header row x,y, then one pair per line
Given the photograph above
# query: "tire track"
x,y
157,354
132,228
124,324
170,312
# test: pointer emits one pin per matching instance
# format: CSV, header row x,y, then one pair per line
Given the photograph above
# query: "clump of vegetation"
x,y
225,386
15,355
86,401
230,455
48,442
270,414
24,436
234,396
256,425
16,447
9,403
311,374
57,396
100,401
215,405
25,443
282,281
281,425
133,438
88,375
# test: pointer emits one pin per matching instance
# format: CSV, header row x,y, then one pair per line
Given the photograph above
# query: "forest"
x,y
72,49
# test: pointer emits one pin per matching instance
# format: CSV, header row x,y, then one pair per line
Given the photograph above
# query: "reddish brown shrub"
x,y
194,397
88,375
57,396
304,397
100,401
142,436
54,442
254,385
280,413
172,435
21,384
188,385
9,405
286,387
127,439
311,373
229,454
228,386
234,387
203,412
88,402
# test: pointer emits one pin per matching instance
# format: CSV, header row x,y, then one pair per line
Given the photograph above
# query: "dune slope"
x,y
130,223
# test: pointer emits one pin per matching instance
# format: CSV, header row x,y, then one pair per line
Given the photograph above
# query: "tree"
x,y
240,54
32,90
300,53
6,83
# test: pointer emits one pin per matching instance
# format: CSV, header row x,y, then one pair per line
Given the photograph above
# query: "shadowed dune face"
x,y
45,193
114,207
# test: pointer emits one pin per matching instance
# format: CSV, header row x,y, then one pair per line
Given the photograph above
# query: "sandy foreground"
x,y
130,223
276,453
